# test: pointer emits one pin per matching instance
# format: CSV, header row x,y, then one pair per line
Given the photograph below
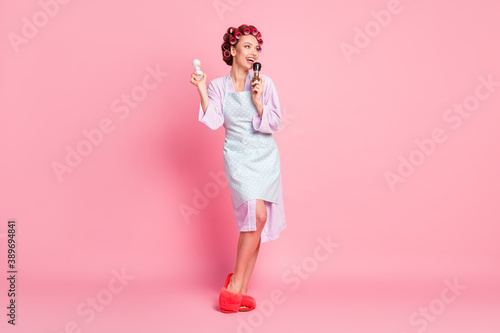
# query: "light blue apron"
x,y
251,158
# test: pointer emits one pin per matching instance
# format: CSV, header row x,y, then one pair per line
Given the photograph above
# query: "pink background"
x,y
347,121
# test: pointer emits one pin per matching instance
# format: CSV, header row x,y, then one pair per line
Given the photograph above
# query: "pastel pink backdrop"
x,y
346,121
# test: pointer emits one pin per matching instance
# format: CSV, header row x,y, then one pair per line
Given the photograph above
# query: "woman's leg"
x,y
247,251
249,270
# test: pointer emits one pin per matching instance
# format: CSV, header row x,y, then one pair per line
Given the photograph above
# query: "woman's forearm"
x,y
204,98
260,107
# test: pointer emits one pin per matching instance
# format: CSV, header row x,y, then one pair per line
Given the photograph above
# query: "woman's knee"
x,y
260,214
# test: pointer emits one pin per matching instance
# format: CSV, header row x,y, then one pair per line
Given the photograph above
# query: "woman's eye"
x,y
257,48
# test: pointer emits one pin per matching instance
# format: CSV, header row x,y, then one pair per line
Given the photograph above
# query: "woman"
x,y
250,113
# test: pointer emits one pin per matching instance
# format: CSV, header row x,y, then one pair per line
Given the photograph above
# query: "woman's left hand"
x,y
257,89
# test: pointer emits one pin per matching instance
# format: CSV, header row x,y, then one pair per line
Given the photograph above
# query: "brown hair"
x,y
232,37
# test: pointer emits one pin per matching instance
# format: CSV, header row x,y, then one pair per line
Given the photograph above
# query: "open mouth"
x,y
250,60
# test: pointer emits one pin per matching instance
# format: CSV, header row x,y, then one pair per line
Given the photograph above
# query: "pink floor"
x,y
336,305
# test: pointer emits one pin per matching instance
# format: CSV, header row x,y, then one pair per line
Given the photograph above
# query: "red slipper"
x,y
227,280
229,302
247,302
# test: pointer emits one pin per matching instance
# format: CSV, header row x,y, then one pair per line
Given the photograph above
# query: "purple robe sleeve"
x,y
213,118
271,115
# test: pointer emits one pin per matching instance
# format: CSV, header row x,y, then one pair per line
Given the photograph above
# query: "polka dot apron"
x,y
251,158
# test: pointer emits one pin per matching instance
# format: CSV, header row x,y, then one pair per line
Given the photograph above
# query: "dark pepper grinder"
x,y
256,68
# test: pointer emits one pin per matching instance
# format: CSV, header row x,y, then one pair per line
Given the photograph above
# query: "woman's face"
x,y
246,48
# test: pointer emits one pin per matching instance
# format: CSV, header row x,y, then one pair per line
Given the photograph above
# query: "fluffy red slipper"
x,y
229,302
227,280
247,302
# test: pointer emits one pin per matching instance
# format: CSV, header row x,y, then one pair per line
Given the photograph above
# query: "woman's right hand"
x,y
202,82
